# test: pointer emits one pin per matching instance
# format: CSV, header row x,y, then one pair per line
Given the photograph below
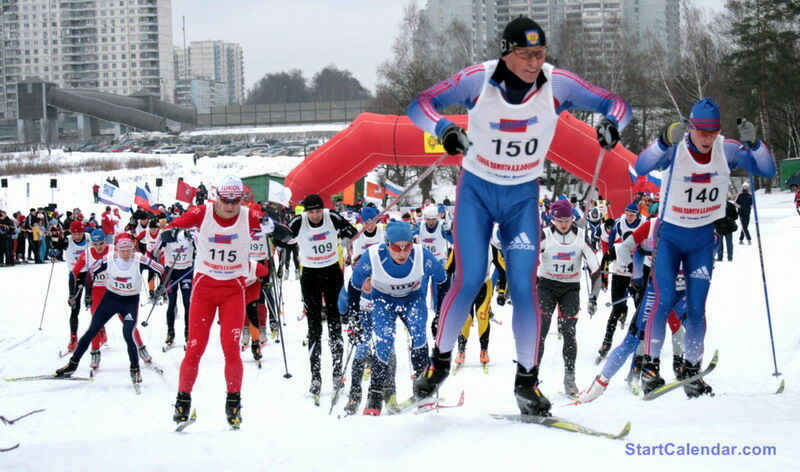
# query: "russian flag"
x,y
392,190
142,199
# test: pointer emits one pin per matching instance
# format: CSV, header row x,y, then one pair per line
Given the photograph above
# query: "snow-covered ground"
x,y
103,425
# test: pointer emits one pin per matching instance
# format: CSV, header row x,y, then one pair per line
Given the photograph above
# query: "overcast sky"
x,y
278,35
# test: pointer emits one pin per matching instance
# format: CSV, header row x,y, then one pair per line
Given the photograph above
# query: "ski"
x,y
93,372
566,425
781,387
432,406
63,354
137,387
413,403
599,359
184,424
485,368
158,370
680,383
10,422
48,377
6,449
316,399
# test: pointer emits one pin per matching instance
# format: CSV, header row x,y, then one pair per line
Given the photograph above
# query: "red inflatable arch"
x,y
374,139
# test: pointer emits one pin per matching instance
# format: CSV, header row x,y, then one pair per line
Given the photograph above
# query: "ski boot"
x,y
374,403
95,362
677,366
697,387
529,399
353,400
390,394
651,378
183,403
484,356
256,348
262,334
233,409
136,375
460,359
569,384
245,337
67,370
622,318
144,355
316,388
73,342
603,351
431,379
170,337
594,391
636,369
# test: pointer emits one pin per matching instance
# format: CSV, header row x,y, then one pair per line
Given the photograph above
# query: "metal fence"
x,y
283,113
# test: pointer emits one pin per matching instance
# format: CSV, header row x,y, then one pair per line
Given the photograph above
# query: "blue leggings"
x,y
365,322
112,304
414,314
515,208
695,248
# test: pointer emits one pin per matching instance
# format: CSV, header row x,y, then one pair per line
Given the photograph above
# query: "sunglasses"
x,y
529,54
230,201
99,243
398,248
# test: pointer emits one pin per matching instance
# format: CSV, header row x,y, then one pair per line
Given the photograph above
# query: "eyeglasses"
x,y
529,54
398,248
230,201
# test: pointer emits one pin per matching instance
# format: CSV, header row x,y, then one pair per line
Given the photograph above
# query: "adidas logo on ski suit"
x,y
521,241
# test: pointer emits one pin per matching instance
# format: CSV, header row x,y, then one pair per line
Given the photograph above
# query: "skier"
x,y
223,246
318,232
179,256
636,249
433,236
373,235
621,276
123,283
696,169
77,243
147,240
564,249
513,105
397,273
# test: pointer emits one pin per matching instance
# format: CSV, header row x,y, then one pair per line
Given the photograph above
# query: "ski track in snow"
x,y
103,425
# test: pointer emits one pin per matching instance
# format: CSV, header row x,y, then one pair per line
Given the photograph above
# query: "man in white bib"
x,y
696,168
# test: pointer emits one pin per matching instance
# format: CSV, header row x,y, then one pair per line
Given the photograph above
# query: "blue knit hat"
x,y
632,207
705,115
97,236
397,231
368,213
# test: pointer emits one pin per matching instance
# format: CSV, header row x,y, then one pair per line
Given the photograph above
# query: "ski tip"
x,y
716,357
781,387
625,431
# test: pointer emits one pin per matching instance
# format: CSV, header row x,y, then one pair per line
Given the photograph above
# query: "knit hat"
x,y
77,226
313,202
368,213
97,236
397,231
521,32
632,207
705,115
561,209
124,241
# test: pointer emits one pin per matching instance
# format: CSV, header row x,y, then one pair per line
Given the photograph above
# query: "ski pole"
x,y
340,385
621,300
47,292
286,375
764,278
177,281
588,197
404,193
157,294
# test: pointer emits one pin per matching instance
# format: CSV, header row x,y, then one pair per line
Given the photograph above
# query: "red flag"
x,y
185,192
374,190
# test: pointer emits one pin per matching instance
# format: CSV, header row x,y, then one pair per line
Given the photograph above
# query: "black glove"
x,y
455,140
592,306
501,298
673,133
612,252
72,302
87,301
747,132
607,134
169,235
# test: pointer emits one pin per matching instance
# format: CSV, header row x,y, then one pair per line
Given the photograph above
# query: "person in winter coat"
x,y
744,202
725,227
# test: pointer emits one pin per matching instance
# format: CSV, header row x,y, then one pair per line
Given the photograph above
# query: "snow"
x,y
104,425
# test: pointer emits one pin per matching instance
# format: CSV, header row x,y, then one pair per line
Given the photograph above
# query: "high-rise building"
x,y
477,15
216,61
652,19
116,46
